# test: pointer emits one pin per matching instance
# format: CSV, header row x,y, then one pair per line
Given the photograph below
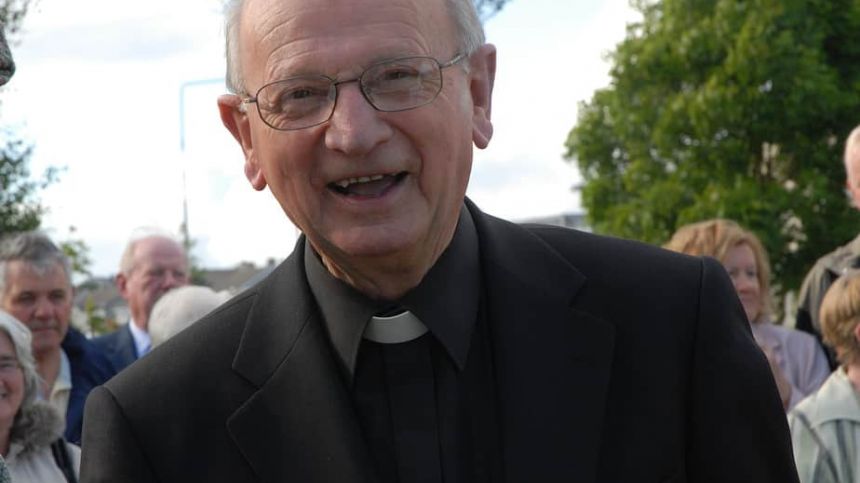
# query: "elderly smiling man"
x,y
411,337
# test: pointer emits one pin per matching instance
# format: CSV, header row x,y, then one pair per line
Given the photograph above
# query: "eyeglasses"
x,y
394,85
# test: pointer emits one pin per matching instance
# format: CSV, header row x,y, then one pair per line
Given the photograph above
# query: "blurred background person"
x,y
30,429
151,265
825,427
798,363
835,263
36,288
179,308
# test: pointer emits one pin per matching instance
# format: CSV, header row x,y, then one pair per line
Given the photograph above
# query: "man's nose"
x,y
44,309
355,126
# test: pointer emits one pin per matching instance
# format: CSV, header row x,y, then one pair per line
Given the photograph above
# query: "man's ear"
x,y
857,333
236,121
482,75
121,284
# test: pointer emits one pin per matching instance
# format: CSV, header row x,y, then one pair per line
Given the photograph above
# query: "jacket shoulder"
x,y
595,254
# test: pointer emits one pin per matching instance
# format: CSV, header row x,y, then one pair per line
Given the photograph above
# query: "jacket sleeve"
x,y
111,452
737,426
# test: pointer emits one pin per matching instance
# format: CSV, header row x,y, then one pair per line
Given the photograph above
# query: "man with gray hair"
x,y
36,288
151,265
832,265
410,337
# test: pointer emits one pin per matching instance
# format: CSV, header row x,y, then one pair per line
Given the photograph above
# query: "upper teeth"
x,y
362,179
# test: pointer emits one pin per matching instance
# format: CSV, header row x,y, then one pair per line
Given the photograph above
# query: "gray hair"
x,y
463,12
126,262
19,335
34,248
179,308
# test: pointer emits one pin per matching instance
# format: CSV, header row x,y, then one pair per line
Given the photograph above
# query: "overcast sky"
x,y
98,93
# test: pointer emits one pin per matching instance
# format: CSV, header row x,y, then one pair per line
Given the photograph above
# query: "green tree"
x,y
19,208
12,13
727,108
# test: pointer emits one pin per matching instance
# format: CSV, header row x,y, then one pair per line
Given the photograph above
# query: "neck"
x,y
853,372
48,367
386,277
141,321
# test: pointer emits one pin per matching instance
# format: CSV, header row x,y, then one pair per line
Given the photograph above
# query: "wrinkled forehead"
x,y
23,272
304,32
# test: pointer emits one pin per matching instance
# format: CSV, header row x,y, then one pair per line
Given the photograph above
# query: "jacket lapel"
x,y
299,425
552,360
126,350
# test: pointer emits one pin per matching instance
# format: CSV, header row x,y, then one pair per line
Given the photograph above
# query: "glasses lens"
x,y
402,84
296,103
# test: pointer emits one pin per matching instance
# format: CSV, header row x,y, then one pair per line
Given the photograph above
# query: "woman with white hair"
x,y
180,307
30,430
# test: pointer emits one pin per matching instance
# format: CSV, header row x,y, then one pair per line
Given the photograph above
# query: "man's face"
x,y
424,155
159,264
42,300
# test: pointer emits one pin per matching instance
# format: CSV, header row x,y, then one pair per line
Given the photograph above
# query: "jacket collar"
x,y
299,424
536,329
835,400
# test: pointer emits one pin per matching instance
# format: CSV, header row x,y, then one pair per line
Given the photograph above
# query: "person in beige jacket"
x,y
30,429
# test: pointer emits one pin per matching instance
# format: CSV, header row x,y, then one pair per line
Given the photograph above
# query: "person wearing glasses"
x,y
31,430
410,337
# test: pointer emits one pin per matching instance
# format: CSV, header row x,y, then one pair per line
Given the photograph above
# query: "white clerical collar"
x,y
397,329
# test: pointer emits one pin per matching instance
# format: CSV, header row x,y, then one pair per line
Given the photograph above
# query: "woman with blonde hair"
x,y
798,364
825,427
30,429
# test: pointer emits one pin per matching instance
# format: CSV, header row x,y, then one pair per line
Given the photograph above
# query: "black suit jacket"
x,y
615,362
118,346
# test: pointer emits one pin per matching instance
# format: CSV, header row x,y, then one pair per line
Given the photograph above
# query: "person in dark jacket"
x,y
36,288
410,337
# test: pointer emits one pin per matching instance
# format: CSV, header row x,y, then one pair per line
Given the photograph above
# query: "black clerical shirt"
x,y
426,406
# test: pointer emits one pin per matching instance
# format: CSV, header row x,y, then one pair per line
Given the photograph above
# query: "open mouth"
x,y
367,186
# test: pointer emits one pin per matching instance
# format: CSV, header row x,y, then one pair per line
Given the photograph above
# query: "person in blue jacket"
x,y
36,288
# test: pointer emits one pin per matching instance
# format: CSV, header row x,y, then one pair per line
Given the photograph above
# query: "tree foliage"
x,y
12,13
727,108
19,208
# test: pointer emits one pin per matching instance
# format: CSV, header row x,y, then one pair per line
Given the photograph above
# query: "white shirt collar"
x,y
142,341
400,328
